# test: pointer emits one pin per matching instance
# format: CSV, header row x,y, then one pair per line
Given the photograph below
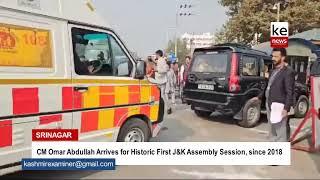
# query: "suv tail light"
x,y
234,81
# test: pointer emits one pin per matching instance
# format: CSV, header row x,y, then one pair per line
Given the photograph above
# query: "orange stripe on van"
x,y
134,94
89,121
25,100
67,98
50,119
5,133
145,110
107,97
134,89
106,89
77,100
107,100
120,115
155,92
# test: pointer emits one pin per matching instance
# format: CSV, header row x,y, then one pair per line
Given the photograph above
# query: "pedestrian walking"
x,y
170,87
183,73
150,69
161,74
279,91
176,72
295,74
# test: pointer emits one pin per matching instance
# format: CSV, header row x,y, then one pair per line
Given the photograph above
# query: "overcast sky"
x,y
145,25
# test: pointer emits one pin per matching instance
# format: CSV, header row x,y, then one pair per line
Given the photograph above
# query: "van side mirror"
x,y
141,70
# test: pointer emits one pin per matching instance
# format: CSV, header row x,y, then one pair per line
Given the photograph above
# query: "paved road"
x,y
183,125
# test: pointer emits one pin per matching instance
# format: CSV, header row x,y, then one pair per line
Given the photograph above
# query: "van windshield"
x,y
212,62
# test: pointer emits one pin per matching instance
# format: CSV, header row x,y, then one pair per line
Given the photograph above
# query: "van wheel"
x,y
134,130
302,106
251,113
204,114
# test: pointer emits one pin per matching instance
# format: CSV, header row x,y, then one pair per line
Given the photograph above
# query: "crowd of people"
x,y
168,75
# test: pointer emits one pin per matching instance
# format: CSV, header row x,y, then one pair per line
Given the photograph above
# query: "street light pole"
x,y
176,34
191,45
277,7
169,29
178,13
278,12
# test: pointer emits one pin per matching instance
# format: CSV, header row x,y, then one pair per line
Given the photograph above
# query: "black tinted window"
x,y
210,63
267,67
250,66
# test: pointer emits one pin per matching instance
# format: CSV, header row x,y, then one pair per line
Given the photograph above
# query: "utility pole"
x,y
191,43
277,7
176,34
184,10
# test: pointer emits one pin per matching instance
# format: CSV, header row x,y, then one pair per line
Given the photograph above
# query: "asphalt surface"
x,y
184,125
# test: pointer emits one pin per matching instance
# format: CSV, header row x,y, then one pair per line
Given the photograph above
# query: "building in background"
x,y
198,40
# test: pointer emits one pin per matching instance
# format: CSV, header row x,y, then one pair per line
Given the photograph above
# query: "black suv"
x,y
226,78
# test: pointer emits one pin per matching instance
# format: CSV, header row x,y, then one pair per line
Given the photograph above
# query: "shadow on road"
x,y
221,118
173,131
228,119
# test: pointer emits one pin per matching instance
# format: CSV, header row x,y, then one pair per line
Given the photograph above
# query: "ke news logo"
x,y
279,34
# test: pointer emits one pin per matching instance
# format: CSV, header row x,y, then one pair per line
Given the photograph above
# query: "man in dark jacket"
x,y
280,89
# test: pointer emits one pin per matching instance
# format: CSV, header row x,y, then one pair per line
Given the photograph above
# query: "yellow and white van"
x,y
62,66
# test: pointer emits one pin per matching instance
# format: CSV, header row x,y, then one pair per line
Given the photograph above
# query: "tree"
x,y
234,6
181,47
248,17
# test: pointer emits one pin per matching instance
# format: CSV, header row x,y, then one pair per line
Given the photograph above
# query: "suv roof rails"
x,y
260,51
240,46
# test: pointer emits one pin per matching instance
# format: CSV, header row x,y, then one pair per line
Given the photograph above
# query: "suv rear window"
x,y
249,66
211,62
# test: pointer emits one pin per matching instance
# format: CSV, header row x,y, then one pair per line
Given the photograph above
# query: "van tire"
x,y
134,130
203,114
251,114
300,112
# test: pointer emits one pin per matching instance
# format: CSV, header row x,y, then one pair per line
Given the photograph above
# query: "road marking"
x,y
213,175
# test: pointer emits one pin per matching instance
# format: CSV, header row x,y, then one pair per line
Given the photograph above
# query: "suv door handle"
x,y
81,89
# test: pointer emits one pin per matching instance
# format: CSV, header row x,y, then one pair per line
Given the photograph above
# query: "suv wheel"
x,y
302,106
202,113
251,113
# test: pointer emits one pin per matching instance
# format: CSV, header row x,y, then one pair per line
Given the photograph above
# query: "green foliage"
x,y
248,17
181,47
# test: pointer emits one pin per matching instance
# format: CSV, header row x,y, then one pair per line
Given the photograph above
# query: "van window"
x,y
249,66
98,54
121,60
211,62
22,46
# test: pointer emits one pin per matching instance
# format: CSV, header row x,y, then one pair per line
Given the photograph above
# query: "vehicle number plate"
x,y
205,86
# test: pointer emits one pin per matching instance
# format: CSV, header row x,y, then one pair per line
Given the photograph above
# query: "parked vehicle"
x,y
226,78
301,104
63,67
